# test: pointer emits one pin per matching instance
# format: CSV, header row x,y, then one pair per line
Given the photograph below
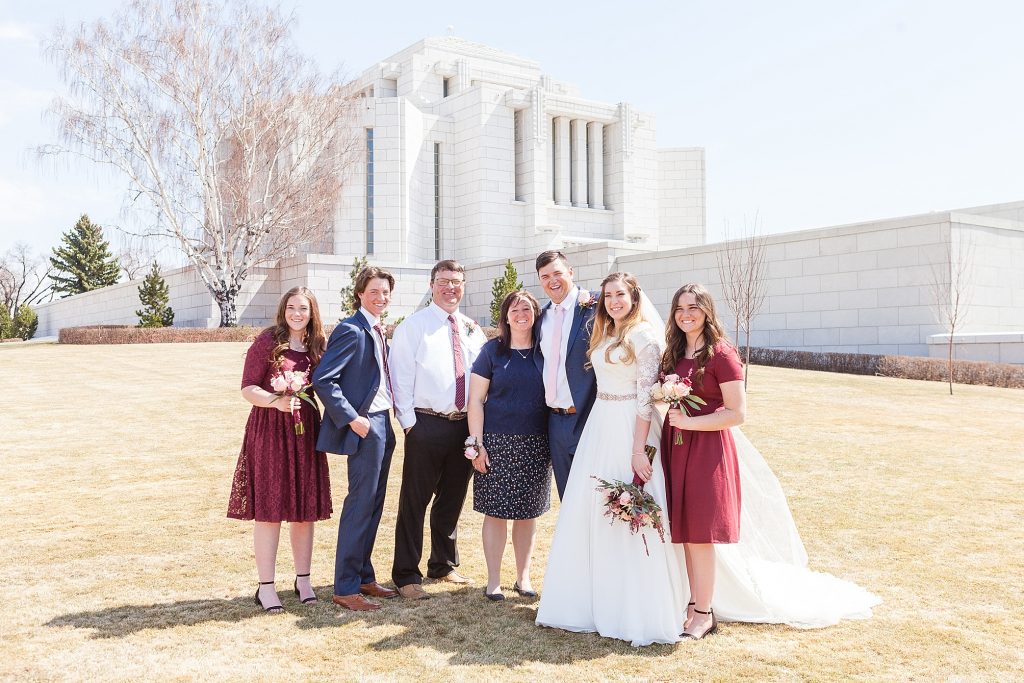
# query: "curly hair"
x,y
313,337
675,339
604,326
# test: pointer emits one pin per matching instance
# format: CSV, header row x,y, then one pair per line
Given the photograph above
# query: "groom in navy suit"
x,y
564,334
353,384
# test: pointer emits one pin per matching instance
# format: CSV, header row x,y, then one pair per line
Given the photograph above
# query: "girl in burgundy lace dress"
x,y
280,476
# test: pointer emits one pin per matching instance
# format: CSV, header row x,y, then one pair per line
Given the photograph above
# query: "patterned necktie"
x,y
551,365
384,357
460,368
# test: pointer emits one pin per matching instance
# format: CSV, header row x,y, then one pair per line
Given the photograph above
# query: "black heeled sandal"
x,y
299,595
275,609
686,614
712,629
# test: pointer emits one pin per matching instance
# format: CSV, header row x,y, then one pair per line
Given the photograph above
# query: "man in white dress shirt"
x,y
569,387
432,354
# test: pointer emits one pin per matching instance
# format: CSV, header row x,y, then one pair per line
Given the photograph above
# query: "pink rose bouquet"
x,y
629,503
676,391
289,383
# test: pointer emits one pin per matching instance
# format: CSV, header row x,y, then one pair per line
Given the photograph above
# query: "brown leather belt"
x,y
571,410
451,417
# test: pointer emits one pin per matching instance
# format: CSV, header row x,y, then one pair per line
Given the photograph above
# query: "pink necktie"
x,y
460,368
384,357
551,364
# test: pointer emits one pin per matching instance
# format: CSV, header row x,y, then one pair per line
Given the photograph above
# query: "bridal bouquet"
x,y
676,391
290,383
629,503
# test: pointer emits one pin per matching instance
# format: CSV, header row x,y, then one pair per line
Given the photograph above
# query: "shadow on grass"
x,y
119,622
472,630
458,622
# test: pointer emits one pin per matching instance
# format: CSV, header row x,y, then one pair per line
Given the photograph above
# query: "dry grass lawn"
x,y
119,564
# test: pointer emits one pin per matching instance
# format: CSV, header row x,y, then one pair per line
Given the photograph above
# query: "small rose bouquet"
x,y
629,503
289,383
676,391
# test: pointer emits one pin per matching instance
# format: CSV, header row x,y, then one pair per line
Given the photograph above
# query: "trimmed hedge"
x,y
128,334
904,367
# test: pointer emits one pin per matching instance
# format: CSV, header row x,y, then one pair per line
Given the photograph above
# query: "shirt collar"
x,y
370,317
440,312
570,300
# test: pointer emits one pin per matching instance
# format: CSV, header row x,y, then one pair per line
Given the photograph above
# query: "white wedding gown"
x,y
599,578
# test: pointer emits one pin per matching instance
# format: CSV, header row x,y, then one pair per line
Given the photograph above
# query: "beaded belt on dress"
x,y
615,397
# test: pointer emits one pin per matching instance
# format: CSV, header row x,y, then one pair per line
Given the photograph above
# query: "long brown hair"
x,y
604,326
313,337
504,329
675,339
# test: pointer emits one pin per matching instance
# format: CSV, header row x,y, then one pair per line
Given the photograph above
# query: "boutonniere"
x,y
586,300
470,326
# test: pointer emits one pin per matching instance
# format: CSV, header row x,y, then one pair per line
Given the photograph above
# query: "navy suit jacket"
x,y
346,380
582,382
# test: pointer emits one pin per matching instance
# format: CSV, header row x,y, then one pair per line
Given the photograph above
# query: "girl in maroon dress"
x,y
702,474
280,476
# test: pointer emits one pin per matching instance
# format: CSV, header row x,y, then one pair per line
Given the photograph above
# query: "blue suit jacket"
x,y
582,382
346,380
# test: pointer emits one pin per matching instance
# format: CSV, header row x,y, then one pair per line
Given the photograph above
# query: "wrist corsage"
x,y
472,447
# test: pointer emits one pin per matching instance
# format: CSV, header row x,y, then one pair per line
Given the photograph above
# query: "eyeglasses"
x,y
445,282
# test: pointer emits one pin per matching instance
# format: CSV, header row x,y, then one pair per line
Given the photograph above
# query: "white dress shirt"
x,y
563,397
381,400
421,362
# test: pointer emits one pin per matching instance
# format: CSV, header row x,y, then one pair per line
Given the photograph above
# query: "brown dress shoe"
x,y
355,602
453,577
413,591
375,590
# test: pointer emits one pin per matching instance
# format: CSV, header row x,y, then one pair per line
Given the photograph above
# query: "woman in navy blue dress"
x,y
508,441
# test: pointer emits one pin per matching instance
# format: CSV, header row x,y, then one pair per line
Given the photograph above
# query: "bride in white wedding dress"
x,y
599,578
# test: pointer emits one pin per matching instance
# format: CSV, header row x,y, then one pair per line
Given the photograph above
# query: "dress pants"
x,y
562,438
434,467
367,483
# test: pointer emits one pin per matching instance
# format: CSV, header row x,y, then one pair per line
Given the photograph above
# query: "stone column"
x,y
562,169
595,167
578,135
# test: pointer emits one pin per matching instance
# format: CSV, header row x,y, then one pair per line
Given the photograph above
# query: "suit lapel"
x,y
538,358
579,313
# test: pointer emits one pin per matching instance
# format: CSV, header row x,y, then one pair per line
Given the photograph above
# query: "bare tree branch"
x,y
950,287
743,269
238,146
24,278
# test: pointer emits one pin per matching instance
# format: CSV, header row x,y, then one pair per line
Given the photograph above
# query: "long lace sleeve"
x,y
648,360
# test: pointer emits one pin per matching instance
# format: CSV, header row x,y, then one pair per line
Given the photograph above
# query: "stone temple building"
x,y
471,153
474,154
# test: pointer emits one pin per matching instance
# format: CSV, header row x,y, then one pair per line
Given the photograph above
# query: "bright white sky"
x,y
812,113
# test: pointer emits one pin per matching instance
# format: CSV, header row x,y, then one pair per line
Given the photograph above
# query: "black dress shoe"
x,y
524,593
493,597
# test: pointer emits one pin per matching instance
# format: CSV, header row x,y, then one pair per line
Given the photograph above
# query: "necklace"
x,y
296,346
522,355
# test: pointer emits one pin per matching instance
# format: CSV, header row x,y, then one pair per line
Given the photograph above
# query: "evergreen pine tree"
x,y
349,303
6,324
25,322
84,261
508,282
155,297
